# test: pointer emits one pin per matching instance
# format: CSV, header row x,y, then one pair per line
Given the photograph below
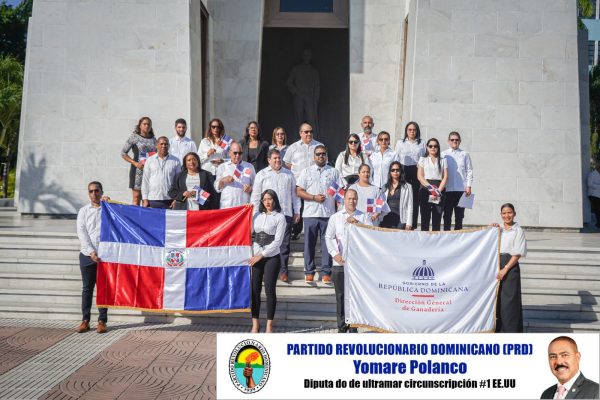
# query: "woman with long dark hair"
x,y
254,149
513,247
399,198
211,151
410,149
351,159
191,180
432,173
269,229
142,142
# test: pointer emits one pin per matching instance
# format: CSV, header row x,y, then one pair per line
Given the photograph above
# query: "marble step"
x,y
553,326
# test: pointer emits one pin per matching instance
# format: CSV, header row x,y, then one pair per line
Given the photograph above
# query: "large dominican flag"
x,y
164,260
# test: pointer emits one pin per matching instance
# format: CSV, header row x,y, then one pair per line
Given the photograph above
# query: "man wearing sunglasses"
x,y
460,180
235,191
312,187
88,232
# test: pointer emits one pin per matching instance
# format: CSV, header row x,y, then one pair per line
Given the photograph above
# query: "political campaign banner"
x,y
408,282
174,261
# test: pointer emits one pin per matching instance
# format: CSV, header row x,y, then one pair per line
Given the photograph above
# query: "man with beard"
x,y
368,140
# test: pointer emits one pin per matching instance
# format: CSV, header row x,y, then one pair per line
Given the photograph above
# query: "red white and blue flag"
x,y
375,205
367,144
201,195
336,192
225,142
242,174
144,156
176,261
434,190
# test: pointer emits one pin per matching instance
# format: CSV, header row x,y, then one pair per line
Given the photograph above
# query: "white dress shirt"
x,y
336,235
432,171
232,194
205,160
158,176
315,181
593,184
271,224
88,228
460,170
354,162
180,146
512,241
568,385
369,192
381,165
283,183
300,155
409,153
190,182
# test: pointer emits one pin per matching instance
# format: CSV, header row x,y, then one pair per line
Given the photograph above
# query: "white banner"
x,y
401,281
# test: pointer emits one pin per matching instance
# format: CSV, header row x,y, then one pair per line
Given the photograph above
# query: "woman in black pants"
x,y
269,228
410,149
432,173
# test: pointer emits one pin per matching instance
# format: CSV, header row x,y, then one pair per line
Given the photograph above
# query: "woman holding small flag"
x,y
213,148
143,144
432,172
399,198
269,228
370,199
193,188
351,159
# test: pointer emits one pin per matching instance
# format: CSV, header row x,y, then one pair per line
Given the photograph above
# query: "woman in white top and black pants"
x,y
432,173
513,246
410,150
349,160
269,229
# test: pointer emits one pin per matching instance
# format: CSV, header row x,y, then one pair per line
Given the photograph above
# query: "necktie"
x,y
561,392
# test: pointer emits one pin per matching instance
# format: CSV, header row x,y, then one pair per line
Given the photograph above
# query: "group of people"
x,y
293,188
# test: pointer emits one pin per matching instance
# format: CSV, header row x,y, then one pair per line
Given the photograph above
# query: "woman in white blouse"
x,y
210,151
279,141
351,159
382,159
368,195
269,228
432,173
513,246
399,198
410,149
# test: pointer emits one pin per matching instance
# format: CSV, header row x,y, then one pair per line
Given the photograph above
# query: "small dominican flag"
x,y
366,142
201,195
225,142
174,261
243,174
375,205
336,192
144,156
370,205
434,191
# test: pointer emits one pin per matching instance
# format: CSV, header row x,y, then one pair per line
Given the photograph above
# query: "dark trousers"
x,y
298,225
451,200
266,269
163,204
429,211
312,228
284,250
411,177
509,307
88,277
337,277
595,203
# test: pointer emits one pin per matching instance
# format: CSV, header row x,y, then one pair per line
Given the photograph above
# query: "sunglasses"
x,y
216,127
352,141
94,191
395,170
433,146
384,140
307,132
237,153
455,140
320,154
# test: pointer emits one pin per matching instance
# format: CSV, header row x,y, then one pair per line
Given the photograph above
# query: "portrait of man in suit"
x,y
563,359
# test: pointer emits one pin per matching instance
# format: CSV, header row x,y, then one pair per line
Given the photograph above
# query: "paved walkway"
x,y
47,359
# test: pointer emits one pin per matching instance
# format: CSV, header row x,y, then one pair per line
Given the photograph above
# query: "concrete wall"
x,y
505,75
92,69
236,34
376,58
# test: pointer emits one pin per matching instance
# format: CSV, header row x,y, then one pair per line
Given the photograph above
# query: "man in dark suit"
x,y
563,358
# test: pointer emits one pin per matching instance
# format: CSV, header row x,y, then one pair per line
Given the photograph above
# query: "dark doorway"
x,y
282,49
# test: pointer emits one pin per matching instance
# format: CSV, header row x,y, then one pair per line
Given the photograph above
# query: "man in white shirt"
x,y
282,181
160,172
88,232
298,157
319,205
235,190
336,238
368,140
180,144
460,180
563,359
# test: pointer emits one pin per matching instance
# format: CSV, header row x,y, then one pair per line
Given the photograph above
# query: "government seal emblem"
x,y
175,258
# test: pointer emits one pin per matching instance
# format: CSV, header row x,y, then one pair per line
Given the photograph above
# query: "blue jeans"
x,y
312,228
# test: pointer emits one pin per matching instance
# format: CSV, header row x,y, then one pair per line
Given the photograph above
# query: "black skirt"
x,y
509,308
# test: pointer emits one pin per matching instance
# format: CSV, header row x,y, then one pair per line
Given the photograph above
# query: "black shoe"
x,y
352,330
295,236
343,329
